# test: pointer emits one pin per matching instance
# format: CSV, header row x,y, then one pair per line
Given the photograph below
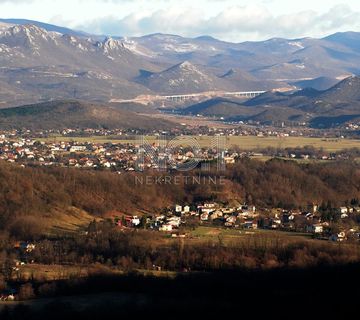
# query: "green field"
x,y
243,142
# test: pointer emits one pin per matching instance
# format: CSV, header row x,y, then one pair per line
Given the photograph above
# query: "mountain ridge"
x,y
64,114
39,64
321,109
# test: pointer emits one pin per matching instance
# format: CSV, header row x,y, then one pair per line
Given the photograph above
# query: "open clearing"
x,y
248,237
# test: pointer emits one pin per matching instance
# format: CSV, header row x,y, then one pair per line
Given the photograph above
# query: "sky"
x,y
230,20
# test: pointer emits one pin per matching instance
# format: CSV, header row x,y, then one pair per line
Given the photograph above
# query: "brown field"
x,y
243,142
248,237
66,221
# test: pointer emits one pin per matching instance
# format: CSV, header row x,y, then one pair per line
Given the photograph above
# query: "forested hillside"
x,y
28,195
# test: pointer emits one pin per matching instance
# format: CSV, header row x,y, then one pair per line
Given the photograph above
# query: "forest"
x,y
29,194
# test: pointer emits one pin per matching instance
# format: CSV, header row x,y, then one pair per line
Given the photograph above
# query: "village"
x,y
343,224
123,156
117,157
179,222
252,129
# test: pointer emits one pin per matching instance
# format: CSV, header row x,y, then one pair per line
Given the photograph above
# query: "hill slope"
x,y
234,110
41,65
321,83
75,114
332,107
184,78
46,26
220,107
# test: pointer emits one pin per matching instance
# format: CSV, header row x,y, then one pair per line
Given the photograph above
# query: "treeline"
x,y
29,193
147,250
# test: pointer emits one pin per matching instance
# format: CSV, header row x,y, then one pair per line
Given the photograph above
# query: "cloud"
x,y
234,23
234,20
15,1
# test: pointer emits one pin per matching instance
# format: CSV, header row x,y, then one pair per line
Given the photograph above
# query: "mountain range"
x,y
321,109
41,62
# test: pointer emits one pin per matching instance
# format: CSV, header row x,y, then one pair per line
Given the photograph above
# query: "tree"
x,y
26,292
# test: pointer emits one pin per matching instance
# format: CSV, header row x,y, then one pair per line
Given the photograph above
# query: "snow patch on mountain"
x,y
297,44
137,48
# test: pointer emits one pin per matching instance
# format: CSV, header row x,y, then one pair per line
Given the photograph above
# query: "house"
x,y
309,215
166,228
7,295
231,219
173,223
135,221
275,223
159,218
228,210
25,246
29,247
244,213
131,221
106,164
77,148
315,228
186,209
287,217
342,210
250,225
207,210
338,237
204,216
209,205
178,208
356,210
216,214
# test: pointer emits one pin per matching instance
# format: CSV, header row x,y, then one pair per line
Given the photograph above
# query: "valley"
x,y
175,175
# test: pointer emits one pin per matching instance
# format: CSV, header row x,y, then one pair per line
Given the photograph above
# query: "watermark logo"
x,y
183,153
180,154
179,180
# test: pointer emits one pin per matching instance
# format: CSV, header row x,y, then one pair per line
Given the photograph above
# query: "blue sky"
x,y
233,20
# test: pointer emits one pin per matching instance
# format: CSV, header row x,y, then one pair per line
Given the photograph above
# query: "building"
x,y
343,210
186,209
166,228
77,148
315,228
250,225
338,237
204,216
